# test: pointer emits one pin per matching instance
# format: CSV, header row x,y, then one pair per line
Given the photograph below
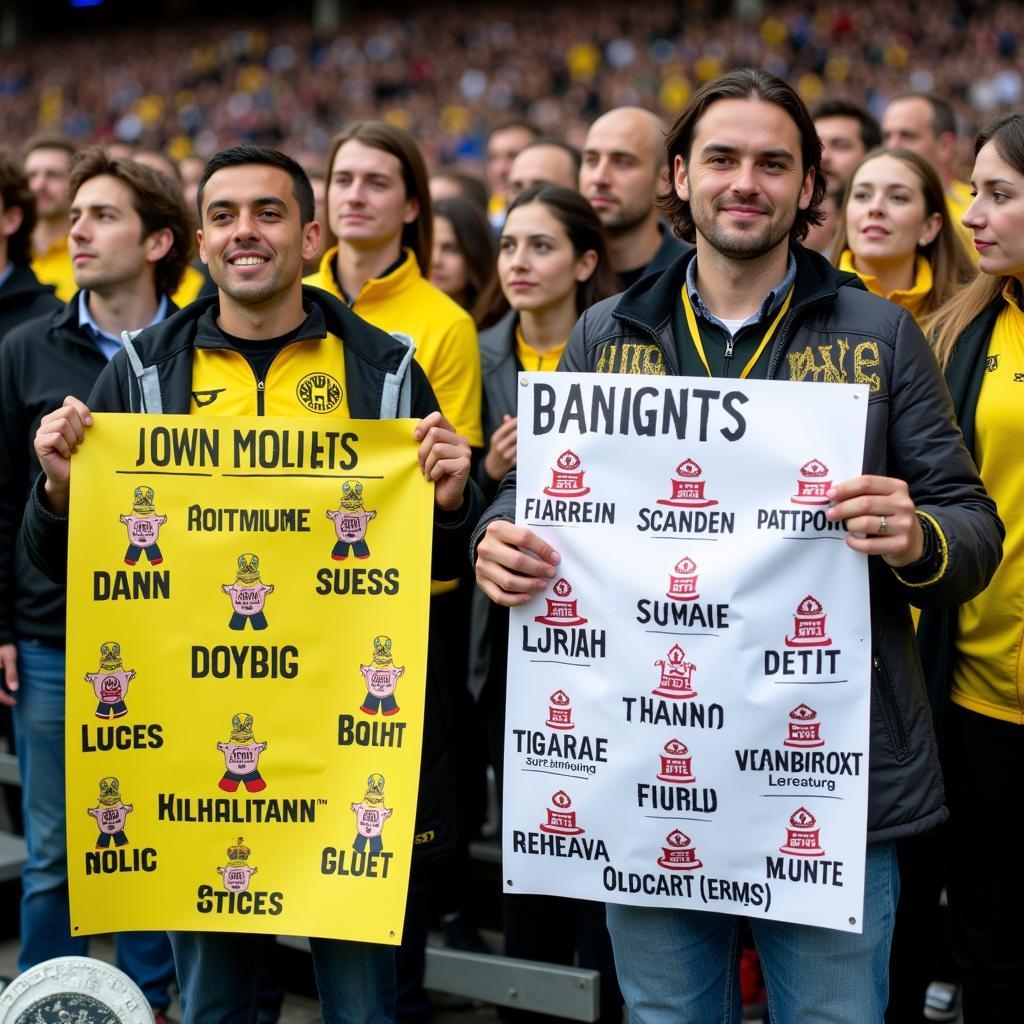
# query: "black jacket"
x,y
937,630
154,374
41,362
23,298
836,331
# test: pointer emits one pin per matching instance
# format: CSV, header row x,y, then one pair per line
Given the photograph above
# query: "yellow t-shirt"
x,y
306,378
989,677
530,359
54,267
911,299
402,302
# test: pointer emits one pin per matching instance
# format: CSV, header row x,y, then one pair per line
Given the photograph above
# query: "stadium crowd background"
x,y
447,74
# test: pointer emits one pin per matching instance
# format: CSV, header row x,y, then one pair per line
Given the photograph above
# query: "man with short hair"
x,y
130,241
22,297
750,301
47,160
504,142
256,208
544,160
622,176
847,132
924,123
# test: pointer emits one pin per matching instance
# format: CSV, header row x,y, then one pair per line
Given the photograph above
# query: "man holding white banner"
x,y
750,302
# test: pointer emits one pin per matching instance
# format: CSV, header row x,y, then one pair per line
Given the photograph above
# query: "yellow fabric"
x,y
402,302
988,677
496,209
188,291
912,299
958,198
691,323
530,359
227,375
54,267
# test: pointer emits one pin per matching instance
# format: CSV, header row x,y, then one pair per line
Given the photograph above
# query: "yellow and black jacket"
x,y
155,374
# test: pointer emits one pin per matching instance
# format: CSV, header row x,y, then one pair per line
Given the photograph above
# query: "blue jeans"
x,y
679,966
218,975
45,918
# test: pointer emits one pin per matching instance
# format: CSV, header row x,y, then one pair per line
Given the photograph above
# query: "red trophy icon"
x,y
802,835
682,582
561,608
809,625
567,477
676,763
561,821
676,675
678,853
812,484
688,488
560,711
803,728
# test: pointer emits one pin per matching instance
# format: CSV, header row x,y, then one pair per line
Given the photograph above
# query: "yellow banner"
x,y
246,660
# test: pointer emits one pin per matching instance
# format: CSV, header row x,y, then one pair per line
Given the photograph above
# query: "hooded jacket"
x,y
837,332
41,362
154,375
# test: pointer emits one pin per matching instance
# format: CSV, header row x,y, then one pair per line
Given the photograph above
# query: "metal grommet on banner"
x,y
523,382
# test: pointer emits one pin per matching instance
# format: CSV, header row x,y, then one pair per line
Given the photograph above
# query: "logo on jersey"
x,y
319,392
205,398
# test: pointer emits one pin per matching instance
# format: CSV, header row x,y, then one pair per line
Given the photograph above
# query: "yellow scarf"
x,y
912,299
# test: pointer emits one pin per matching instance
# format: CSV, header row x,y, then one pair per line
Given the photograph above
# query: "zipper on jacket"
x,y
729,347
890,712
780,342
260,397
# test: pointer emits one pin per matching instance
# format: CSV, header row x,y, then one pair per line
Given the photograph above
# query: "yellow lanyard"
x,y
691,323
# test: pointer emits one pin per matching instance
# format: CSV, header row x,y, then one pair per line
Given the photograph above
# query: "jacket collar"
x,y
652,300
392,283
325,314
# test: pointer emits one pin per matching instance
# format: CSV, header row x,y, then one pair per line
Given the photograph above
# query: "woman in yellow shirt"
x,y
895,236
974,655
552,266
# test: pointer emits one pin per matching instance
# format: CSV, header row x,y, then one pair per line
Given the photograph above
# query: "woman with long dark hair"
x,y
974,655
552,266
462,263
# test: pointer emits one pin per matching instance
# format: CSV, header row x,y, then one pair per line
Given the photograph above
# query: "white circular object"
x,y
74,990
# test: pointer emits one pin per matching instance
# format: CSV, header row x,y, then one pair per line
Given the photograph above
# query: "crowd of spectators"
x,y
446,75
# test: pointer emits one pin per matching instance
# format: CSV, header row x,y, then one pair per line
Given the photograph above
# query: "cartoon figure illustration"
x,y
248,594
143,528
381,679
350,522
110,814
237,873
110,683
371,815
241,757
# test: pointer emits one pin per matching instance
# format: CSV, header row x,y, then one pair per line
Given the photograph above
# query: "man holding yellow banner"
x,y
265,346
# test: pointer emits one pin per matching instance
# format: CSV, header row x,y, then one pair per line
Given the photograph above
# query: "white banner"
x,y
688,702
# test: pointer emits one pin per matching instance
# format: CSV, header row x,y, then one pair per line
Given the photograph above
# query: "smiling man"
x,y
244,352
129,243
749,301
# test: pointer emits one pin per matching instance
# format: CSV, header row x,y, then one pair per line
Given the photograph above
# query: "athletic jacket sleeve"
x,y
13,473
926,449
452,530
44,534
